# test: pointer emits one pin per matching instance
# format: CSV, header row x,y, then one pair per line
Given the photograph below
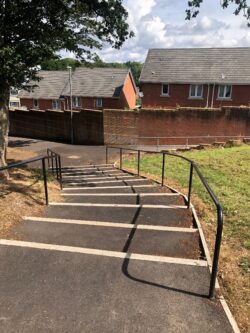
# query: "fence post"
x,y
45,182
48,158
138,162
163,169
190,184
121,158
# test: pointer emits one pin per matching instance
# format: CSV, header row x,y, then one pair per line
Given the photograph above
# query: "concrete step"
x,y
114,189
124,198
180,217
152,242
127,182
98,178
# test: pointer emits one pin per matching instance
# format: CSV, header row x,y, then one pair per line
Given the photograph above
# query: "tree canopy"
x,y
32,31
62,64
241,7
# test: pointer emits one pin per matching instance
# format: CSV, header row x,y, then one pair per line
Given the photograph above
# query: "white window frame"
x,y
56,104
76,101
98,103
196,96
224,92
35,103
162,93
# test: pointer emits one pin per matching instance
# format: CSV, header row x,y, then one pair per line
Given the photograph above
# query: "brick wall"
x,y
124,127
179,95
120,127
55,126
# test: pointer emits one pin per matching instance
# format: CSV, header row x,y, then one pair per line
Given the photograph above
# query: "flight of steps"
x,y
107,209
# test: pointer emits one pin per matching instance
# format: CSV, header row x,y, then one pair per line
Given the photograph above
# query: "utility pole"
x,y
71,112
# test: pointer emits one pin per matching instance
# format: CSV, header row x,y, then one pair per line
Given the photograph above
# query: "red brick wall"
x,y
128,96
126,127
179,95
120,127
87,102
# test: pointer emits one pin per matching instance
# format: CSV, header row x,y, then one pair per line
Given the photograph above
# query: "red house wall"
x,y
128,95
179,95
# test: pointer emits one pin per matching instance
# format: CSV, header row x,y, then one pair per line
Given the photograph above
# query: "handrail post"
x,y
60,170
48,158
216,251
163,169
57,174
121,158
107,158
52,163
45,182
138,162
190,184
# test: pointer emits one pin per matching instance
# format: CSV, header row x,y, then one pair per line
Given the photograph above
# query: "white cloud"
x,y
161,23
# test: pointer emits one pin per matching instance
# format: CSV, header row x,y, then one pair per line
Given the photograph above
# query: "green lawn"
x,y
227,172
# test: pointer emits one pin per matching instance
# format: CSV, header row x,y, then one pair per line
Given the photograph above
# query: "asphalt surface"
x,y
101,267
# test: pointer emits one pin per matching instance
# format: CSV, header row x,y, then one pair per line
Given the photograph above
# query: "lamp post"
x,y
71,112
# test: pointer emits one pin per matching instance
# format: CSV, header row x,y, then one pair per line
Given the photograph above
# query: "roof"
x,y
197,65
50,86
86,82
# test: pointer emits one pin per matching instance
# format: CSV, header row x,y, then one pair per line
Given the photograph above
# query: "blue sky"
x,y
162,24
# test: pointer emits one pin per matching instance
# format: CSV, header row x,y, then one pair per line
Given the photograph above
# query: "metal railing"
x,y
53,159
54,163
193,168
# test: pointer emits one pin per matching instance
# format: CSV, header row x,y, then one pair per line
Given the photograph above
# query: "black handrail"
x,y
58,166
193,167
49,158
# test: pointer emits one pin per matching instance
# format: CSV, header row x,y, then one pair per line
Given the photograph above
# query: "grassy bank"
x,y
228,173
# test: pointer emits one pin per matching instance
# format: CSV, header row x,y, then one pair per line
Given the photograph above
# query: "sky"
x,y
162,24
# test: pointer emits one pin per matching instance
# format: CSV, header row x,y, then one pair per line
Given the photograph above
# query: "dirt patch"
x,y
23,194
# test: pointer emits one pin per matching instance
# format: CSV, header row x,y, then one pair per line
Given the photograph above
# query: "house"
x,y
88,88
14,101
196,77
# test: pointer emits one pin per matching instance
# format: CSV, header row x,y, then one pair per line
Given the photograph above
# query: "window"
x,y
76,101
165,90
56,104
224,92
13,92
98,102
195,91
14,104
35,103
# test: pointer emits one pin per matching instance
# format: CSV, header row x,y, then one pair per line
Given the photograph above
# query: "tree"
x,y
241,7
60,64
32,31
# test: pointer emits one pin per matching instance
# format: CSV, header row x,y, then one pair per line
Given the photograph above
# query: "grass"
x,y
227,172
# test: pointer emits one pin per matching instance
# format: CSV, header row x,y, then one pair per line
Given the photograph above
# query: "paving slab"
x,y
49,291
155,216
152,242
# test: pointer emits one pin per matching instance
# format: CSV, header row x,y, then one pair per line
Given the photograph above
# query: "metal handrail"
x,y
193,167
42,159
58,166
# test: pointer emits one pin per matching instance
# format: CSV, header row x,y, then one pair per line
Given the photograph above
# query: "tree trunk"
x,y
4,128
